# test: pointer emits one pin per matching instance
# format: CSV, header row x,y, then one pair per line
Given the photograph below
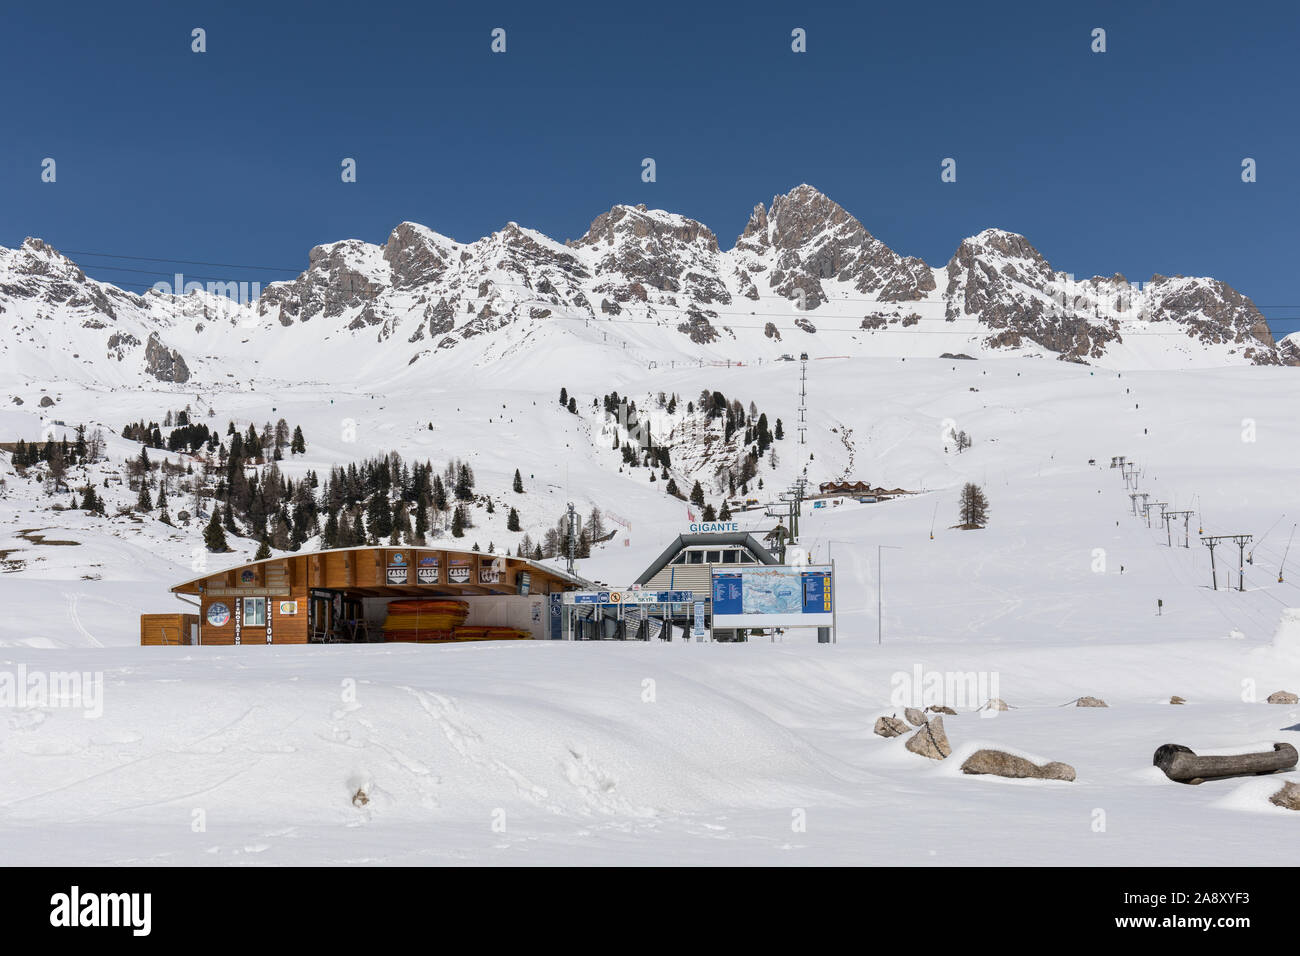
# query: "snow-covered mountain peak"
x,y
637,223
804,273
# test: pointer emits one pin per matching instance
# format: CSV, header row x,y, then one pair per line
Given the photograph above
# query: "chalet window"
x,y
695,557
254,612
730,557
680,559
715,557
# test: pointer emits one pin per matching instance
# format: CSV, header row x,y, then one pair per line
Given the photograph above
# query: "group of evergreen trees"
x,y
55,458
270,445
748,428
744,426
59,455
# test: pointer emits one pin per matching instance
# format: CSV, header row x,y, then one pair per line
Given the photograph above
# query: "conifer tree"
x,y
974,507
214,536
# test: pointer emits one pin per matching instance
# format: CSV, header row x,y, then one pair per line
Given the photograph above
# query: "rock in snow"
x,y
930,741
1002,764
1288,796
891,727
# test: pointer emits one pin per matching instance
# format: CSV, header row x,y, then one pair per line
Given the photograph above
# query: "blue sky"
x,y
1125,161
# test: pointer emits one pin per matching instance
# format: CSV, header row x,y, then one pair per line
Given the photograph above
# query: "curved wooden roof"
x,y
384,571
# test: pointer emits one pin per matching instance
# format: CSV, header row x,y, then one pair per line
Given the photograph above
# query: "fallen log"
x,y
1185,766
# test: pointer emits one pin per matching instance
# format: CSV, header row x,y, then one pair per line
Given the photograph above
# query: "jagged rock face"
x,y
1211,311
163,363
700,330
423,293
1002,280
656,250
41,272
1288,350
526,257
416,256
441,319
810,238
341,276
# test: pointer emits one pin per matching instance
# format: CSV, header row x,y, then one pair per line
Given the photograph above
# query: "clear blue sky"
x,y
1127,161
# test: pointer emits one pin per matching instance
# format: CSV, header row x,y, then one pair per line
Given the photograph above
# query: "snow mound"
x,y
1286,640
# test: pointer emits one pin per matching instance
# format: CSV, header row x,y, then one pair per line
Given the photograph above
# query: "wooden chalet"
x,y
341,595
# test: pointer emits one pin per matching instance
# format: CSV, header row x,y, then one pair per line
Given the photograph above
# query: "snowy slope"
x,y
557,741
561,742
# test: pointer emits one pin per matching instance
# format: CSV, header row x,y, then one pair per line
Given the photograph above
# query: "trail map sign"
x,y
774,595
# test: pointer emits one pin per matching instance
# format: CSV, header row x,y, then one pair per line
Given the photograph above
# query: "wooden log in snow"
x,y
1185,766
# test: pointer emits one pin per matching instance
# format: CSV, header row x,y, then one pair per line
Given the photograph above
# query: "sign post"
x,y
697,621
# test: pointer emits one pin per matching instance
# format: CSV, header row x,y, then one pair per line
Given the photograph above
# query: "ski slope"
x,y
545,753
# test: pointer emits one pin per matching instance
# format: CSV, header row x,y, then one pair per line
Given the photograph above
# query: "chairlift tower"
x,y
1169,516
571,525
1241,540
803,397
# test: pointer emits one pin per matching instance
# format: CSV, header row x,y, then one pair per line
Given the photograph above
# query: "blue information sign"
x,y
728,595
817,593
557,610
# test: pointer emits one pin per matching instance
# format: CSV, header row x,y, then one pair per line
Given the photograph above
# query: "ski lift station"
x,y
719,585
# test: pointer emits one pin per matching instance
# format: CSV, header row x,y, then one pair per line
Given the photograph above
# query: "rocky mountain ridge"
x,y
804,275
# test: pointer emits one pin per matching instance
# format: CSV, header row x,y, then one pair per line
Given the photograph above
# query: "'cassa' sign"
x,y
397,571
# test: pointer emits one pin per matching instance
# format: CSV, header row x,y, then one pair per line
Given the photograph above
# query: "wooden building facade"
x,y
339,596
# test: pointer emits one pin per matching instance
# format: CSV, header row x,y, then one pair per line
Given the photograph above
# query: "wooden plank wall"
x,y
165,629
